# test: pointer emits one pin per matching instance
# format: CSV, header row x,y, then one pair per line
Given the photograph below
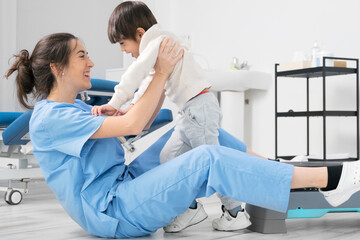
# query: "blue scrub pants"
x,y
152,200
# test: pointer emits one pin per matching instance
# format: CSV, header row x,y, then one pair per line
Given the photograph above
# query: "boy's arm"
x,y
144,85
134,75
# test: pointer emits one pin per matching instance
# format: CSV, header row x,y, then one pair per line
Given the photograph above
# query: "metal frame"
x,y
14,168
314,72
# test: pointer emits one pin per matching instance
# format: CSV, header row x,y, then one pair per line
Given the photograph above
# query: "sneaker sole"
x,y
231,230
187,226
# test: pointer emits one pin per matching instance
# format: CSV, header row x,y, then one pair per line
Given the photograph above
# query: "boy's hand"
x,y
123,112
105,109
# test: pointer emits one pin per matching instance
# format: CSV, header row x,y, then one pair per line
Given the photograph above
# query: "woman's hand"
x,y
168,57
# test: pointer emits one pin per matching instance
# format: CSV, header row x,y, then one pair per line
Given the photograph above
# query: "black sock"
x,y
277,160
193,205
334,174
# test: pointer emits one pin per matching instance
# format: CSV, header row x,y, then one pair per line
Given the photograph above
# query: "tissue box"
x,y
294,65
339,63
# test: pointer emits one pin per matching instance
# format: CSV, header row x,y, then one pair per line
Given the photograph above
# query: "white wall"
x,y
264,33
7,48
260,31
31,20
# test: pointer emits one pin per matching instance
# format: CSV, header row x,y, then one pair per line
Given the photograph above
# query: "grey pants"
x,y
197,124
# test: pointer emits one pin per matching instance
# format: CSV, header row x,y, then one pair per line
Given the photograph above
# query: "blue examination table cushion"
x,y
17,127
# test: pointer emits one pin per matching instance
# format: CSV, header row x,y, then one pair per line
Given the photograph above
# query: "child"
x,y
133,25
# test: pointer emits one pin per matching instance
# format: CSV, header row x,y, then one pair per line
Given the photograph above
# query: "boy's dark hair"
x,y
126,18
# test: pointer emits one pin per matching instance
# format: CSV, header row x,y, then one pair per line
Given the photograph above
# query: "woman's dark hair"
x,y
34,72
126,18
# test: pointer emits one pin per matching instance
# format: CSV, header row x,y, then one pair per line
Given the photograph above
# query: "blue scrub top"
x,y
82,172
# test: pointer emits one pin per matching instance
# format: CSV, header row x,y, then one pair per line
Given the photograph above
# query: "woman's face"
x,y
77,73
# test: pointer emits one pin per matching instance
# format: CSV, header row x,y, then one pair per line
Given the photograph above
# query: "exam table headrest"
x,y
6,118
16,129
102,85
99,93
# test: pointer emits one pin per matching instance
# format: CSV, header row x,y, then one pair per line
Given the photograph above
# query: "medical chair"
x,y
14,128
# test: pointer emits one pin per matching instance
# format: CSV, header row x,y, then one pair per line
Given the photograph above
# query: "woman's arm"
x,y
157,110
139,115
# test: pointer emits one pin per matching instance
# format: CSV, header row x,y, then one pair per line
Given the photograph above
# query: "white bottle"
x,y
315,55
325,53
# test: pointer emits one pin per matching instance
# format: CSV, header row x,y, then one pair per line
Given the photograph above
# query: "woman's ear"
x,y
55,70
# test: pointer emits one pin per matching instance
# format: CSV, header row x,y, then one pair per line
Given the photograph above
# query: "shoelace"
x,y
228,217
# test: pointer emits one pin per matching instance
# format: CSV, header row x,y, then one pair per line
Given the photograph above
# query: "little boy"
x,y
133,25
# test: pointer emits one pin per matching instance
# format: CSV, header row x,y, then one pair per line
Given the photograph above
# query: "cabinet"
x,y
319,72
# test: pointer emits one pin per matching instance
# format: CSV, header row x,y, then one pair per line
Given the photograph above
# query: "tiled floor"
x,y
40,216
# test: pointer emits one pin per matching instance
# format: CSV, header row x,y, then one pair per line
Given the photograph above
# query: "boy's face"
x,y
130,46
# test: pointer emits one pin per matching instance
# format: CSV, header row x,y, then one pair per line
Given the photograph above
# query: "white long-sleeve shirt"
x,y
185,82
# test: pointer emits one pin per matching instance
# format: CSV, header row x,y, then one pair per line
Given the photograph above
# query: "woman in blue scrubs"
x,y
82,160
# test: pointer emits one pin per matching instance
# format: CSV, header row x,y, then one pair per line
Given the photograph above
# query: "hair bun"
x,y
24,57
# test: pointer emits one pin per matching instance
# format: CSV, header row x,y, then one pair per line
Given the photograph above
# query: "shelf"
x,y
318,162
318,114
317,72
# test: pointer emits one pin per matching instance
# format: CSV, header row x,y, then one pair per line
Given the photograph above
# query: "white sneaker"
x,y
228,223
349,184
188,218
